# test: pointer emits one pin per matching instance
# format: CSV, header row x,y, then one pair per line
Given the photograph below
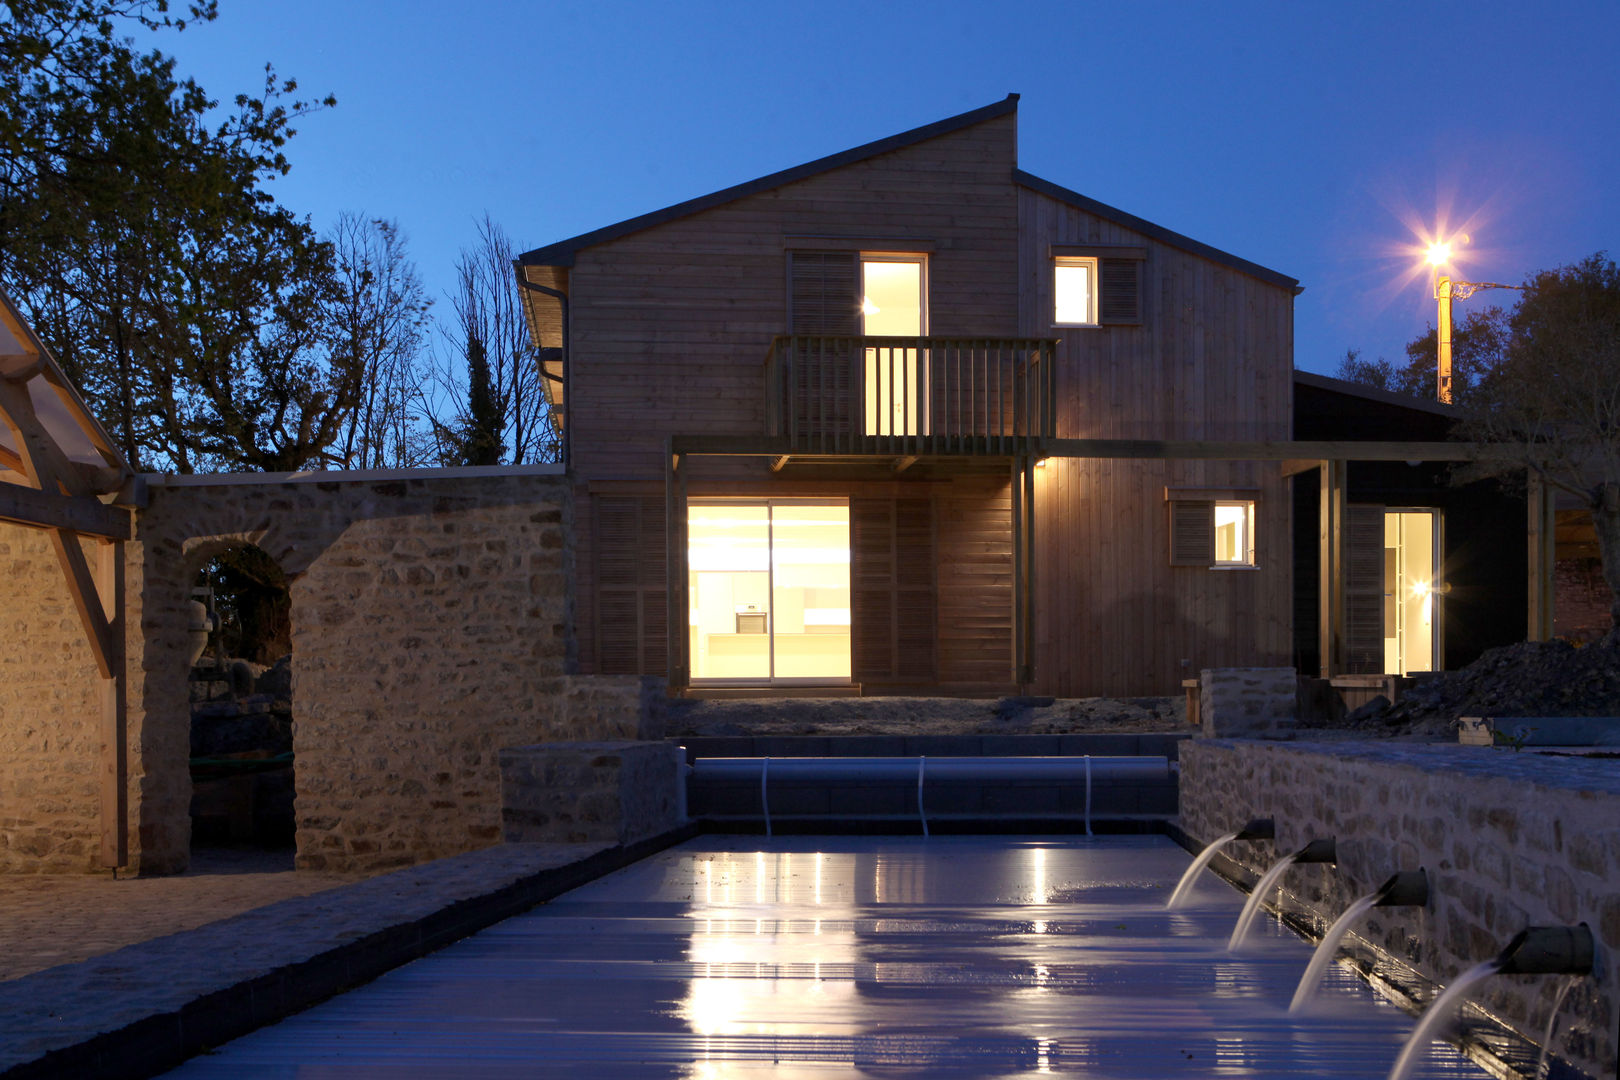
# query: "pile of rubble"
x,y
1532,678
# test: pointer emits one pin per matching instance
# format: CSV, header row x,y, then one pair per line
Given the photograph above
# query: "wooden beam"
x,y
1330,569
1295,466
10,459
78,513
86,598
778,463
904,463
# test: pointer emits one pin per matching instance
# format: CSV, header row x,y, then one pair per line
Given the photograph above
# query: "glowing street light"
x,y
1446,290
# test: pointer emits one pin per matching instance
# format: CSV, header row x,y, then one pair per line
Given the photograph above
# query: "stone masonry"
x,y
50,715
1239,702
591,792
1508,840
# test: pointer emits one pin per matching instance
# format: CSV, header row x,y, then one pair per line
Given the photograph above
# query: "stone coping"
x,y
145,1008
351,476
1572,773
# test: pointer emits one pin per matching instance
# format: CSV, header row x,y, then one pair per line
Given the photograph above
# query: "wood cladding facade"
x,y
669,329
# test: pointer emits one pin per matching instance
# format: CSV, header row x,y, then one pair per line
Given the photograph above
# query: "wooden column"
x,y
1541,514
114,767
1019,599
1330,568
676,659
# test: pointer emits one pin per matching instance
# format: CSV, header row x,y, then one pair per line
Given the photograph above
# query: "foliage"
x,y
1477,343
135,230
253,602
512,416
376,319
1555,393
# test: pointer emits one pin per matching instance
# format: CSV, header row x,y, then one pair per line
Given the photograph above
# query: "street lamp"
x,y
1446,290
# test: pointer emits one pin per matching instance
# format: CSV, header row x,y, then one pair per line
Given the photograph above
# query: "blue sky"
x,y
1311,138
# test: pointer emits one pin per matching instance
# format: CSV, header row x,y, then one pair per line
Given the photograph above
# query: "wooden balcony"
x,y
910,396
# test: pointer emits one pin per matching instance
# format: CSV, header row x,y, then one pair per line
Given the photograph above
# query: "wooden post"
x,y
1018,574
114,767
1028,674
674,561
1541,514
1330,569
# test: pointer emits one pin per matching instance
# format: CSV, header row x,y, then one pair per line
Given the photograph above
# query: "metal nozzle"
x,y
1260,828
1548,950
1318,851
1407,888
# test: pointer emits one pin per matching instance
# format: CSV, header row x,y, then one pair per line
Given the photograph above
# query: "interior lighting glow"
x,y
869,308
1420,588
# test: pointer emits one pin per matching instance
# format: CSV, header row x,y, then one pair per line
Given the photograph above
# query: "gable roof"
x,y
562,253
1156,232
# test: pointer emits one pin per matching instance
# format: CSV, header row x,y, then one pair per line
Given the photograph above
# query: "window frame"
x,y
1180,501
1093,265
1248,559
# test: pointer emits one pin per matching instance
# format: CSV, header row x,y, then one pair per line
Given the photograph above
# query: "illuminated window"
x,y
1234,533
1074,288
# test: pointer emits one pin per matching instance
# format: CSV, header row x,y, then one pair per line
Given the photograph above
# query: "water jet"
x,y
1256,829
1407,888
1322,850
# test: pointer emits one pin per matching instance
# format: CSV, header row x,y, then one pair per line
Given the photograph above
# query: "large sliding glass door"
x,y
1411,587
768,585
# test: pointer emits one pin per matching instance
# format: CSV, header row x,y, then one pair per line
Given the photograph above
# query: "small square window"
x,y
1234,533
1074,290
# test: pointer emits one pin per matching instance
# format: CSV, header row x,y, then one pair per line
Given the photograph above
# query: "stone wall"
x,y
1240,702
50,715
430,625
591,792
1508,840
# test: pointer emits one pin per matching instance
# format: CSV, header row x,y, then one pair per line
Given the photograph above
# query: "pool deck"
x,y
127,978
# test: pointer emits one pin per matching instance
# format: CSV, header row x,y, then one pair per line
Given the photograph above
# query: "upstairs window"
x,y
1074,290
1234,533
1097,286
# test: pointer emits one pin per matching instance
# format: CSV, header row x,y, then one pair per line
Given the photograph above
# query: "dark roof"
x,y
1373,393
1157,232
562,253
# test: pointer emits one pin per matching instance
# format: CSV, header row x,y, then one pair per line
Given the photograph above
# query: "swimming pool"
x,y
854,956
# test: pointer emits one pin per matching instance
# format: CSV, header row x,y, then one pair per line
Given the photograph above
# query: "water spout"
x,y
1256,829
1548,950
1317,851
1535,950
1407,888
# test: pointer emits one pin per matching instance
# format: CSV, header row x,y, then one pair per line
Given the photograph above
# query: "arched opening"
x,y
240,689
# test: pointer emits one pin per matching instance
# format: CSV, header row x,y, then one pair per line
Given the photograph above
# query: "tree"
x,y
1477,344
135,231
488,315
1554,394
376,319
481,437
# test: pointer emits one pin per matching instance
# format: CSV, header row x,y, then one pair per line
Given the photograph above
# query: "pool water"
x,y
856,956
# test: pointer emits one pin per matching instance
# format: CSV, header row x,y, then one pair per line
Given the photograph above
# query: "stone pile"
x,y
239,707
1532,678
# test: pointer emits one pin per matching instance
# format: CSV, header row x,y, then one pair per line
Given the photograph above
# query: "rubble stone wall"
x,y
431,625
1508,840
50,715
1239,702
584,792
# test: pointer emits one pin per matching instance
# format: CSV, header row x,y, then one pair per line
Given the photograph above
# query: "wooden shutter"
x,y
631,617
1363,540
1119,292
893,590
824,296
1192,532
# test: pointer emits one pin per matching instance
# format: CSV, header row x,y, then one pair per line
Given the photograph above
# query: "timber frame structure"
x,y
60,473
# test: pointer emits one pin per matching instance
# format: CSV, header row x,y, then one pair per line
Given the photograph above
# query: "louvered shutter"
x,y
631,617
894,590
824,297
1192,532
1363,539
1119,292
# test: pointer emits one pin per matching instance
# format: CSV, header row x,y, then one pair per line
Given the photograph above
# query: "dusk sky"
x,y
1315,139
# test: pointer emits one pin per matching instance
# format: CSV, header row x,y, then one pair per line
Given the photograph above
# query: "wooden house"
x,y
908,419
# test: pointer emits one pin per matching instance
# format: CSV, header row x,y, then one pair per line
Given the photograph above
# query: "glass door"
x,y
1412,588
893,304
768,585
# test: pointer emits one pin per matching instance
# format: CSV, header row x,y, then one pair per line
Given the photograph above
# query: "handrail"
x,y
854,394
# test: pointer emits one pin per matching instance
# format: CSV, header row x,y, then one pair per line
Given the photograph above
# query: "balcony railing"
x,y
911,395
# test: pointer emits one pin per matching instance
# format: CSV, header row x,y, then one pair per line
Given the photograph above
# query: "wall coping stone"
x,y
350,476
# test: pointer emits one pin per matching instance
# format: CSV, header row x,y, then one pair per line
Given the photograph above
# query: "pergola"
x,y
60,472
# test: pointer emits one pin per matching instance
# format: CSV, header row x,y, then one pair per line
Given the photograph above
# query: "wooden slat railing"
x,y
911,396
